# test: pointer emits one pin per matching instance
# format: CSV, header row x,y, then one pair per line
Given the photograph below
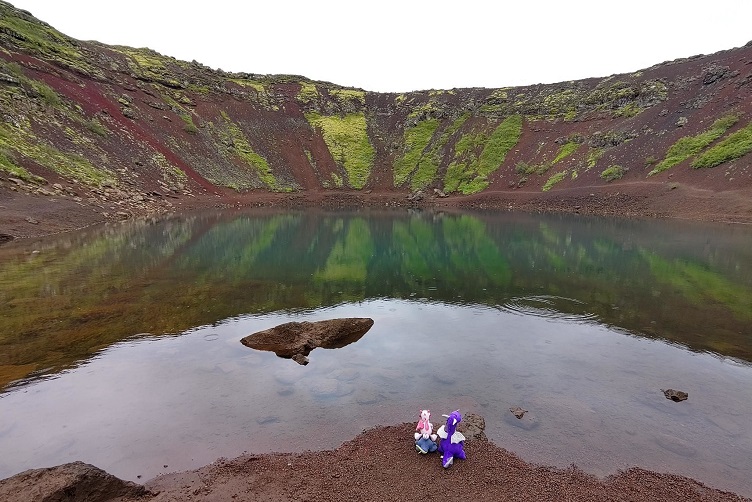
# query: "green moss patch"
x,y
67,164
8,165
243,150
347,140
735,146
308,93
688,146
468,174
613,172
554,179
593,155
416,141
565,151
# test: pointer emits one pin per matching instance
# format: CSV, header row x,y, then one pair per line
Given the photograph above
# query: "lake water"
x,y
120,345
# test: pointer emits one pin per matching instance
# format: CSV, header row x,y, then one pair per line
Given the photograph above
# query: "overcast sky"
x,y
406,45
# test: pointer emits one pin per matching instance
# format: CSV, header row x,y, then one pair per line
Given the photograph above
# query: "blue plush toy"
x,y
451,444
424,440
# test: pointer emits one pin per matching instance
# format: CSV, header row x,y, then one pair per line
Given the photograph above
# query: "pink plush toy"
x,y
425,441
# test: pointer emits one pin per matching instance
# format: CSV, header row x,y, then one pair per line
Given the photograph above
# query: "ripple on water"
x,y
548,306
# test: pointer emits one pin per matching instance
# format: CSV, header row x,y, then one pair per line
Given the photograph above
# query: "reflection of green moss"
x,y
688,146
347,140
735,146
349,257
700,285
470,247
85,291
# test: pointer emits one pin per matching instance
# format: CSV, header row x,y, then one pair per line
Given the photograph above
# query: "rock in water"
x,y
518,412
473,427
675,395
74,481
295,340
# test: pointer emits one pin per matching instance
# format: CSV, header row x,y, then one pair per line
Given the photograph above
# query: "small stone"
x,y
675,395
518,412
269,419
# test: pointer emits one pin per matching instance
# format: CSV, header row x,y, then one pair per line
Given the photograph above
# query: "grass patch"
x,y
593,155
565,151
244,151
526,169
347,140
95,126
189,126
48,95
348,95
736,145
612,173
9,166
67,164
470,175
554,179
427,168
253,84
42,39
308,92
416,141
503,139
688,146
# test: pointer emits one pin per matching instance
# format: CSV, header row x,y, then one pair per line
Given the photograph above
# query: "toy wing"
x,y
442,433
457,437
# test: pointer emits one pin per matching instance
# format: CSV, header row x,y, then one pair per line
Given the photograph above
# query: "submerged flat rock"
x,y
295,340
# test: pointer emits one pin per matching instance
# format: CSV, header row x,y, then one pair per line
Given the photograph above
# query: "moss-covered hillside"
x,y
131,128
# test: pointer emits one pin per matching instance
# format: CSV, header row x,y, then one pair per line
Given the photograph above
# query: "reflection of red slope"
x,y
295,340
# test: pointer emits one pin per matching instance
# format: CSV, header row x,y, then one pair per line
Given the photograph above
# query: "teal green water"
x,y
122,342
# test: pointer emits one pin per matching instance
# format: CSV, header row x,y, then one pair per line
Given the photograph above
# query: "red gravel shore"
x,y
378,465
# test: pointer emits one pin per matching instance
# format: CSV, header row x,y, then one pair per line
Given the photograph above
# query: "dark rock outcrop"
x,y
75,481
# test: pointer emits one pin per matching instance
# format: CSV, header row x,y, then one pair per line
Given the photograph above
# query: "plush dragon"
x,y
425,442
451,444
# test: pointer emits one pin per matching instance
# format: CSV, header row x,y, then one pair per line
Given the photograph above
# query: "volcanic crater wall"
x,y
94,123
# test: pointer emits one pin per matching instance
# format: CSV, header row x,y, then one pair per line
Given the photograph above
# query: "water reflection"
x,y
595,395
65,298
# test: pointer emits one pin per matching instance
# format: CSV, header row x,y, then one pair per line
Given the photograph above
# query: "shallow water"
x,y
120,345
